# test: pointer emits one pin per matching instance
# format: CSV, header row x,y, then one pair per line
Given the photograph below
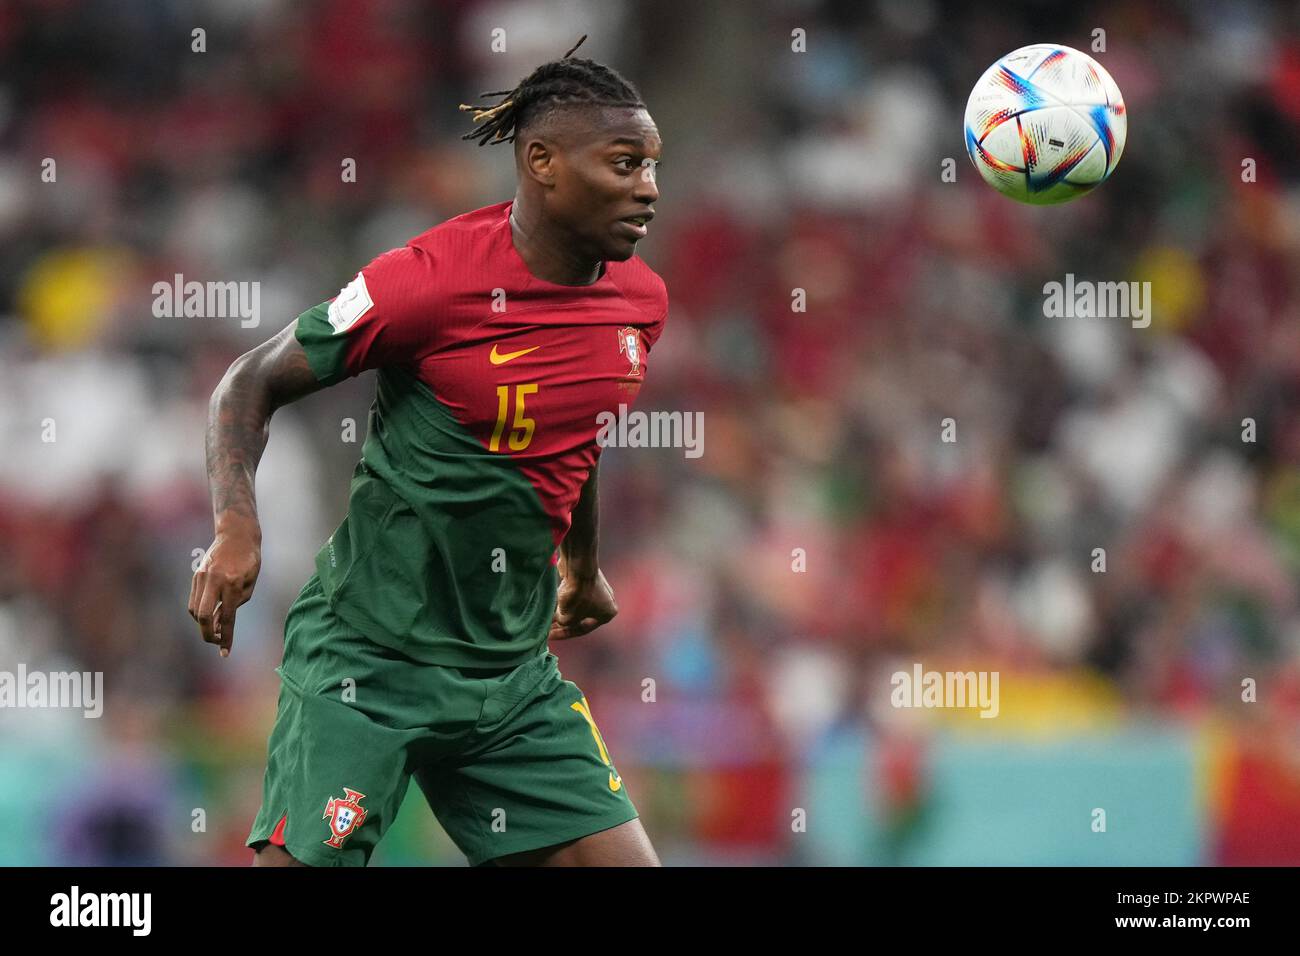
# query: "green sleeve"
x,y
326,351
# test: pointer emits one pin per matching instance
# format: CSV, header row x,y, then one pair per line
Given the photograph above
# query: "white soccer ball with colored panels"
x,y
1045,124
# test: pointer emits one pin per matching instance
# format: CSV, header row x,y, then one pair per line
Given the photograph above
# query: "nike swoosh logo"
x,y
497,358
615,783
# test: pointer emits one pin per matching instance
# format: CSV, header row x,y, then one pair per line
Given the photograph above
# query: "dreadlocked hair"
x,y
561,82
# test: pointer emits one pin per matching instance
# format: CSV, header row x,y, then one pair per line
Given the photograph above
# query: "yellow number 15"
x,y
521,431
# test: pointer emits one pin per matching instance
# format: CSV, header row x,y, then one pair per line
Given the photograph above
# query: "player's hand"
x,y
582,605
222,583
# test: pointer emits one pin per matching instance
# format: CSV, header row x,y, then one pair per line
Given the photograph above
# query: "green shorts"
x,y
509,759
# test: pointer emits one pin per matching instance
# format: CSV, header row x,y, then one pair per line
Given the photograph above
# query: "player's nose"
x,y
646,190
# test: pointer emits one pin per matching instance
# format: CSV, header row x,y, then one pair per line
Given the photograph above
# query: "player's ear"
x,y
538,161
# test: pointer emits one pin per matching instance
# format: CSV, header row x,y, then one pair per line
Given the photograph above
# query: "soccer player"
x,y
419,645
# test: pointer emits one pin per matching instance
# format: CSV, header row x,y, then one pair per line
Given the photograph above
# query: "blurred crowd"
x,y
1115,528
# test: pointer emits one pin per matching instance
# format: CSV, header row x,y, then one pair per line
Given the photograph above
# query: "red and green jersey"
x,y
481,435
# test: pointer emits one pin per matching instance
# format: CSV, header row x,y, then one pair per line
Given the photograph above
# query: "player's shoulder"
x,y
640,285
478,226
420,266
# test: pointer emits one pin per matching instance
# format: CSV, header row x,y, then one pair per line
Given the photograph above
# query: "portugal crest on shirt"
x,y
629,343
345,814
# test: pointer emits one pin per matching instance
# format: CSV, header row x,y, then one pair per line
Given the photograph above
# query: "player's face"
x,y
607,179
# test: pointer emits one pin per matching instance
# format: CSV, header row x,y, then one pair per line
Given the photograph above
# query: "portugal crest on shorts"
x,y
629,343
345,814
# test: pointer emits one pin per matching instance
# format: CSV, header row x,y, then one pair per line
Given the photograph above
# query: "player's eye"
x,y
631,163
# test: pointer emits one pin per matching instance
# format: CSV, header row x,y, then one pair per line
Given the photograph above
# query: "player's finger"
x,y
573,629
195,589
197,583
207,606
226,622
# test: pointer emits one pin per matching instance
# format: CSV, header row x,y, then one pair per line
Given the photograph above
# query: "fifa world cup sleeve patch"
x,y
352,302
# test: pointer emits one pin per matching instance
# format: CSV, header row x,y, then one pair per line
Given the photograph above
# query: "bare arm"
x,y
585,600
239,424
578,549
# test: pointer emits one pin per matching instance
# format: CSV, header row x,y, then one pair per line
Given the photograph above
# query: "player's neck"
x,y
548,256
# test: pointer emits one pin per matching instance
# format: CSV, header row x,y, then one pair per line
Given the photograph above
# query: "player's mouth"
x,y
637,224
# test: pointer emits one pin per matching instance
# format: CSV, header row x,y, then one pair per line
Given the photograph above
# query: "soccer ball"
x,y
1045,124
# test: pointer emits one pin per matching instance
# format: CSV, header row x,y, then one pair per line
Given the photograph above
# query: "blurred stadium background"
x,y
1120,690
